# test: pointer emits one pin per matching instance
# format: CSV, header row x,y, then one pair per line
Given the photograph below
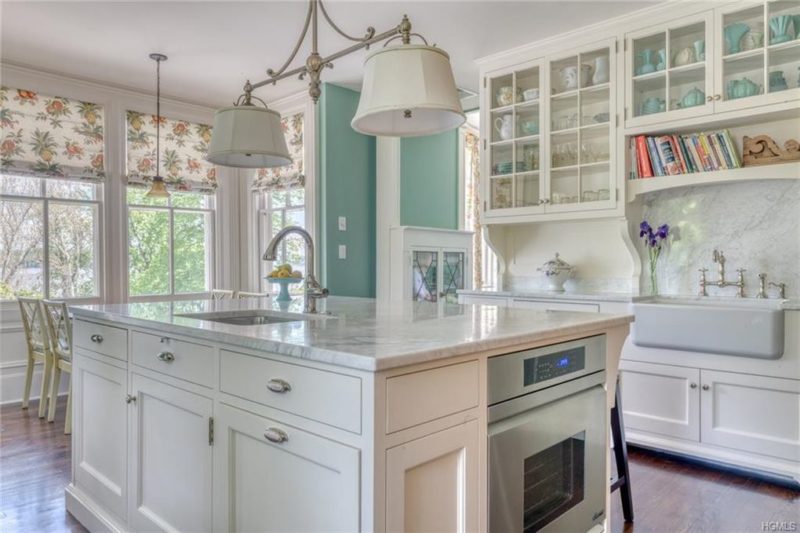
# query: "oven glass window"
x,y
554,480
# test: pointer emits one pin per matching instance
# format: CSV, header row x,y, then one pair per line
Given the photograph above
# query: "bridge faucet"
x,y
719,258
313,290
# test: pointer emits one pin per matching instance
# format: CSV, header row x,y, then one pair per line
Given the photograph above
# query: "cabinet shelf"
x,y
744,54
697,65
642,186
650,75
784,46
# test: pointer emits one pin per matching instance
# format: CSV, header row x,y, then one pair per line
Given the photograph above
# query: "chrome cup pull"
x,y
278,436
96,338
167,357
278,385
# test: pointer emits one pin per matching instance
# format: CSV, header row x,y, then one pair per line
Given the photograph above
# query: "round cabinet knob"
x,y
96,338
706,387
717,97
167,357
278,385
692,385
709,98
129,398
278,436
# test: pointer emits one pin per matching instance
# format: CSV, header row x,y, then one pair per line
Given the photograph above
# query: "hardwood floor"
x,y
673,496
34,469
669,496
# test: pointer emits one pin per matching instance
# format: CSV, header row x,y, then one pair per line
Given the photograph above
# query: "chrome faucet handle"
x,y
781,289
703,291
740,282
762,286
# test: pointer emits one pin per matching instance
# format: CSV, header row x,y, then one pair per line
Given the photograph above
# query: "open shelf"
x,y
790,170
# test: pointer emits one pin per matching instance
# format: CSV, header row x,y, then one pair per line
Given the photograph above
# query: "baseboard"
x,y
769,468
89,514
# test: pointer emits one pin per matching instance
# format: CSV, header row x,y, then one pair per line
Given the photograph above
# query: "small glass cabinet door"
x,y
668,71
514,151
454,267
425,275
759,60
581,130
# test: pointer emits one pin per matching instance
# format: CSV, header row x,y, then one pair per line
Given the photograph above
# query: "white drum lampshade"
x,y
408,91
248,136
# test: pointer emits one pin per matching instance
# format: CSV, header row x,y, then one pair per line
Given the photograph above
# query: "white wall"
x,y
596,248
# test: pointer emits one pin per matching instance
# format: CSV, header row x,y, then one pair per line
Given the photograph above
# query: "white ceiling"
x,y
214,46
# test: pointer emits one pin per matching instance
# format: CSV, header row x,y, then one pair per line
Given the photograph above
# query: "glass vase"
x,y
653,278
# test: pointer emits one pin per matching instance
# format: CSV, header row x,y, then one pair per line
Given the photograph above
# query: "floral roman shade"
x,y
290,176
473,203
183,150
50,136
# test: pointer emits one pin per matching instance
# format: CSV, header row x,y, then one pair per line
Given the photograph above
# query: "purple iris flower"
x,y
653,238
663,231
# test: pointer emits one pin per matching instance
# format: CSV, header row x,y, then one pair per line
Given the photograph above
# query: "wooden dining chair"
x,y
59,331
241,295
33,323
221,294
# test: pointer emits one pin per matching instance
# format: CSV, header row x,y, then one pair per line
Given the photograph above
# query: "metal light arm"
x,y
315,62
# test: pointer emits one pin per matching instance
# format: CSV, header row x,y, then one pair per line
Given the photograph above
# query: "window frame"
x,y
45,200
264,211
210,240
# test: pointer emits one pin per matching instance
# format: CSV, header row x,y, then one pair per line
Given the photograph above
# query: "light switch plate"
x,y
342,251
342,223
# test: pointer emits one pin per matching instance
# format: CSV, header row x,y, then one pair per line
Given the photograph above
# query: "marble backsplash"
x,y
756,224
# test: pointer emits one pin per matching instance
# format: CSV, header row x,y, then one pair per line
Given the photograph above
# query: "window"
x,y
49,238
484,262
278,209
169,243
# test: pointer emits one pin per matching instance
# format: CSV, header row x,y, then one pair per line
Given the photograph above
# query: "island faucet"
x,y
313,290
719,258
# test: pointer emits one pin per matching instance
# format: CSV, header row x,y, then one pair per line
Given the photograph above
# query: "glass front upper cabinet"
x,y
760,54
515,150
580,130
668,71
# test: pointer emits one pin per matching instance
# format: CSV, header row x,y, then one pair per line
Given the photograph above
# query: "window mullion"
x,y
171,244
46,248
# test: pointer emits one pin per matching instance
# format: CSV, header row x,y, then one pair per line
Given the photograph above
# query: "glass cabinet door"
x,y
424,275
760,54
668,72
580,111
514,150
453,275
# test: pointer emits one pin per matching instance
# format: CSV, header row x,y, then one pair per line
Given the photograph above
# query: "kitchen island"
x,y
246,415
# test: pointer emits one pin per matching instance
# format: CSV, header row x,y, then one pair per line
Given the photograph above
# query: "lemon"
x,y
297,274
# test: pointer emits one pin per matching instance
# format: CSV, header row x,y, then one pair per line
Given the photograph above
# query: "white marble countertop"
x,y
360,333
552,295
789,304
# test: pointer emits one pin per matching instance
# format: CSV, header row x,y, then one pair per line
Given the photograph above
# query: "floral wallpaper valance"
x,y
50,136
290,176
183,149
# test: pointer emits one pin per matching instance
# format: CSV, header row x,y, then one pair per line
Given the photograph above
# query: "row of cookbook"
x,y
667,155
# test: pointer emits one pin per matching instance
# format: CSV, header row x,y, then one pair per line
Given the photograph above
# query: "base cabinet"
x,y
432,482
273,477
100,432
740,418
171,468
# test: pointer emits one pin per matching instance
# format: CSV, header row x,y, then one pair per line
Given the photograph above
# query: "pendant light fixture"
x,y
158,189
408,90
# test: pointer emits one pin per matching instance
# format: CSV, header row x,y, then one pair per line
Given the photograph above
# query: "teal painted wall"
x,y
347,188
429,181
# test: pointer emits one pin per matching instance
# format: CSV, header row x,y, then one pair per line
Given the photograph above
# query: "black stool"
x,y
623,481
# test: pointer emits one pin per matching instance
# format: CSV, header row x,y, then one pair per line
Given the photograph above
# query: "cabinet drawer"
x,y
413,399
327,397
100,338
543,305
179,359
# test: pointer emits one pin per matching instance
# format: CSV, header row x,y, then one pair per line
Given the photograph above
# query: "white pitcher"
x,y
504,126
600,70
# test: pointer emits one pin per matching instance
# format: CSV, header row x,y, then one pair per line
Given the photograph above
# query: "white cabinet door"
x,y
171,468
273,477
751,413
432,482
661,399
100,432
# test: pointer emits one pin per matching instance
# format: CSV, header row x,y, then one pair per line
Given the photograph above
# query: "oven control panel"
x,y
553,365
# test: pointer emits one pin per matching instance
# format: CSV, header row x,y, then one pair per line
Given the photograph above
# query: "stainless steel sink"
x,y
245,318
